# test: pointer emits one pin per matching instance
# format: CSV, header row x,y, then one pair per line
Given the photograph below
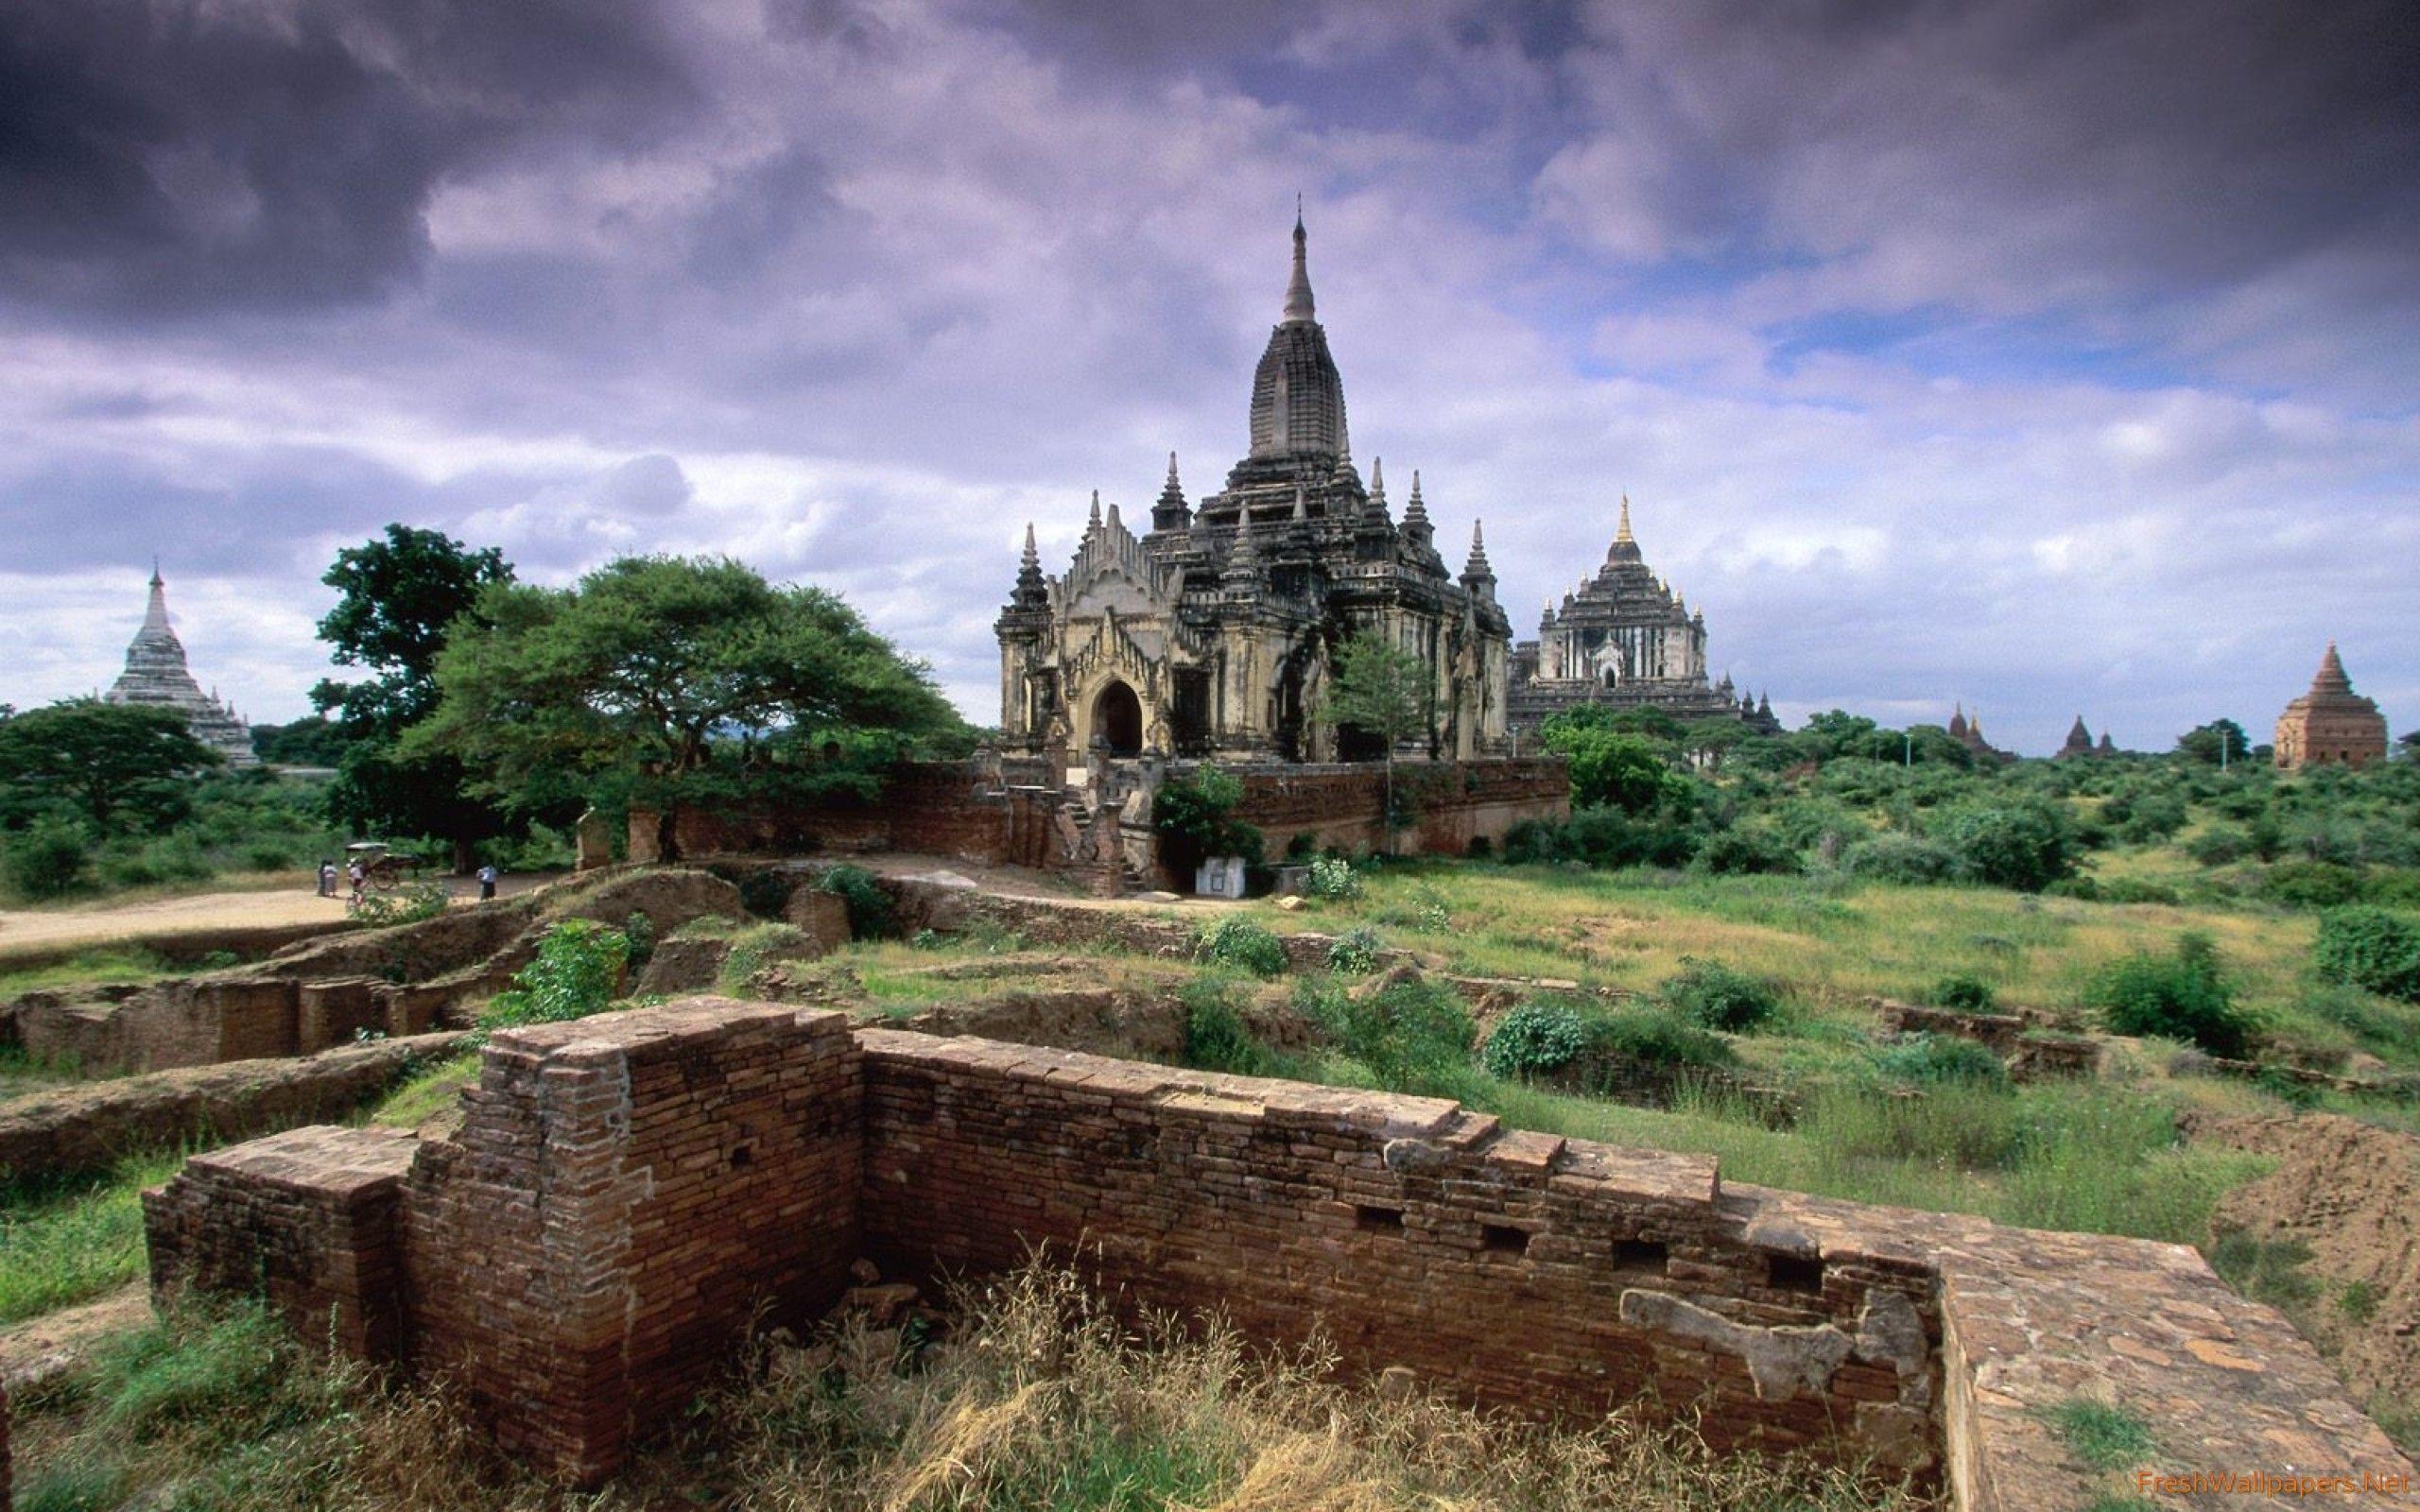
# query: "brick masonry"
x,y
627,1191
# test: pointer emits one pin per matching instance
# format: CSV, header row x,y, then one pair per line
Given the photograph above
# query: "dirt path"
x,y
26,931
40,1348
2350,1194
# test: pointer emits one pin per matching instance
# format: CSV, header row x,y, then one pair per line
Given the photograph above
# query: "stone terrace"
x,y
626,1191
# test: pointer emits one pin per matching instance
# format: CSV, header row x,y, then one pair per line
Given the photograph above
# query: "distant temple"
x,y
1623,638
2079,742
1969,733
1215,632
156,674
2331,725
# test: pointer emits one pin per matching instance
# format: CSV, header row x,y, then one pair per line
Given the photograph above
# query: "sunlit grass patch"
x,y
69,1243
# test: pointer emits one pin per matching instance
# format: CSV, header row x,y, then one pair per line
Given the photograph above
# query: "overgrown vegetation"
x,y
1037,1395
70,1242
2183,995
1241,944
578,971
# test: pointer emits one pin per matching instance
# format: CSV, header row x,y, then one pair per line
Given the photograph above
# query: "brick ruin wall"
x,y
625,1191
963,808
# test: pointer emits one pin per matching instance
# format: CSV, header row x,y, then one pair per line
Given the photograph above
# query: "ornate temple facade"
x,y
1213,632
1626,639
2331,725
156,674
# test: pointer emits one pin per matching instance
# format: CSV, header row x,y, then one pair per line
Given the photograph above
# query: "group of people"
x,y
357,874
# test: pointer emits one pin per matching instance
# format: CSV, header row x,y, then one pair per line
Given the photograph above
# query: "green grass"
x,y
429,1091
73,1242
22,1073
2102,1435
107,963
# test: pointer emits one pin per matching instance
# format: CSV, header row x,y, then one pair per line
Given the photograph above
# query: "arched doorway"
x,y
1118,718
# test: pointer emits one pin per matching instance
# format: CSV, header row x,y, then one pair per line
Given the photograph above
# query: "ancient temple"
x,y
1625,638
2331,725
2080,743
1213,630
156,674
1969,733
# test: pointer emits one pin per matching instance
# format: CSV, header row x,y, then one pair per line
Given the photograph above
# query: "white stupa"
x,y
156,674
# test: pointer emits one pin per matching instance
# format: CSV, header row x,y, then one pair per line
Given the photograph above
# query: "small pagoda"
x,y
2331,725
156,674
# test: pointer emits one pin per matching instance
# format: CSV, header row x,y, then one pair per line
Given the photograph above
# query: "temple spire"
x,y
155,613
1298,289
1094,523
1622,533
2331,677
1032,556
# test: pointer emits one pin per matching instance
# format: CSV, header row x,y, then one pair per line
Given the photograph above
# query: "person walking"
x,y
487,882
359,876
327,878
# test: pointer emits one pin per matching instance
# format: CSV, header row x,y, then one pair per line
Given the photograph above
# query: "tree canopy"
x,y
118,765
660,680
398,600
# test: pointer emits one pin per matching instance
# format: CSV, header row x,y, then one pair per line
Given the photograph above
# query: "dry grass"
x,y
1039,1398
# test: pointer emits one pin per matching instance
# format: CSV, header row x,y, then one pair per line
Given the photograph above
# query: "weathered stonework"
x,y
156,674
2331,725
1626,640
1214,633
625,1191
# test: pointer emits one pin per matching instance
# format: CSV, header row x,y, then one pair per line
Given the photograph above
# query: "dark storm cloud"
x,y
2014,155
183,155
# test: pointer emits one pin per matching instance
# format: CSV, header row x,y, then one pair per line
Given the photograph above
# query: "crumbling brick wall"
x,y
622,1196
1510,1266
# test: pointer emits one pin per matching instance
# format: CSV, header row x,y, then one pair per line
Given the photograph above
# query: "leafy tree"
x,y
398,600
2205,744
1627,772
117,762
1386,693
2026,846
664,681
304,743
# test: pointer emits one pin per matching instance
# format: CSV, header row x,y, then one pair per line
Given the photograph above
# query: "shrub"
x,y
639,929
50,860
2388,1028
577,973
2184,995
2372,949
1746,852
1240,943
1334,877
1414,1036
1906,859
1715,996
1216,1035
1194,818
1925,1059
1533,1037
413,903
2312,884
1967,993
1658,1037
2024,845
2219,845
1355,953
871,914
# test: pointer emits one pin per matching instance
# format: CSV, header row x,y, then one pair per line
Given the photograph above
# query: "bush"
x,y
2183,995
1533,1037
1906,859
2219,845
1334,877
1355,953
1194,818
413,903
577,973
1240,943
1658,1037
1964,992
1746,852
2312,884
2389,1029
1716,997
2372,949
1216,1035
2024,845
639,930
871,914
1925,1059
1413,1036
50,860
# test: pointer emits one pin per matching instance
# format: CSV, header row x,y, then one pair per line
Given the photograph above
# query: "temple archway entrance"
x,y
1118,718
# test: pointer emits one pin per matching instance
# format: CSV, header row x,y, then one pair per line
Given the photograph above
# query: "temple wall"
x,y
1343,807
625,1190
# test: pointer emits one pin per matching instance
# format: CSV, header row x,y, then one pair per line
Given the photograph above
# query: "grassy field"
x,y
70,1244
1832,941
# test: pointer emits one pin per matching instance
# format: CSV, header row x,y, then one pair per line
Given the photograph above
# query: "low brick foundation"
x,y
626,1192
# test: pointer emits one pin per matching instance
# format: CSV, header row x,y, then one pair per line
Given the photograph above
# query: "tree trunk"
x,y
464,862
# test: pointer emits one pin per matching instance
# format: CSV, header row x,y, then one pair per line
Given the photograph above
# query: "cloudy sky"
x,y
2054,355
